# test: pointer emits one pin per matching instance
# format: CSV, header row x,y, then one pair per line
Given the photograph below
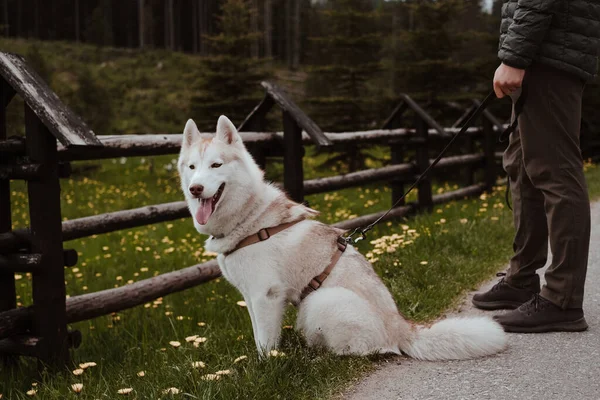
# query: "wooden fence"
x,y
41,329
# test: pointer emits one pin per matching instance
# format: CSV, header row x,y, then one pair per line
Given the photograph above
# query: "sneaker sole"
x,y
496,305
572,326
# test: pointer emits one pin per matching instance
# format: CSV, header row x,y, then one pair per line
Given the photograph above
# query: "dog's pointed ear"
x,y
226,131
190,133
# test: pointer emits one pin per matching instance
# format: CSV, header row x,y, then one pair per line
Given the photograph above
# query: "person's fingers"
x,y
507,90
497,90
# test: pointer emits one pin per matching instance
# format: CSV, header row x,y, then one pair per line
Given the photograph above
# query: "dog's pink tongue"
x,y
204,211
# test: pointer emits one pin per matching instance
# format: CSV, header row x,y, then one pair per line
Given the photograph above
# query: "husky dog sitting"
x,y
352,312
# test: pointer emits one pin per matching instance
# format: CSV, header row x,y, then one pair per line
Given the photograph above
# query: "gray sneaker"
x,y
541,315
503,296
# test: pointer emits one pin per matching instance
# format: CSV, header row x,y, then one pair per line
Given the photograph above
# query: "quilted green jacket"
x,y
561,33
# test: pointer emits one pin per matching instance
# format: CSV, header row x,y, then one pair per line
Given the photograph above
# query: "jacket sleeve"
x,y
530,23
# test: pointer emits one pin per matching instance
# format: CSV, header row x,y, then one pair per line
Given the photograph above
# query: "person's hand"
x,y
507,80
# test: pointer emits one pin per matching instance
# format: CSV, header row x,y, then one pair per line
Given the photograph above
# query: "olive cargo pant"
x,y
549,193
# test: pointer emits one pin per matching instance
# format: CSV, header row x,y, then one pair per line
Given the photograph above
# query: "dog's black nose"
x,y
196,190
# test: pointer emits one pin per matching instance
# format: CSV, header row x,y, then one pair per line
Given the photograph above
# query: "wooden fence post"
x,y
469,171
8,295
49,321
489,148
422,160
293,151
397,155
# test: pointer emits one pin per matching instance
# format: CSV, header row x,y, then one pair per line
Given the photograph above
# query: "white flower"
x,y
240,358
175,343
241,303
78,371
125,391
223,372
77,387
141,374
210,377
198,364
191,338
171,390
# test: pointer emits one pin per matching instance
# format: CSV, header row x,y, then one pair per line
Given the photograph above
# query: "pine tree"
x,y
228,82
444,51
344,59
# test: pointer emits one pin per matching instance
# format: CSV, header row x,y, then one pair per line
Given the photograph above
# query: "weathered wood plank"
x,y
393,121
144,145
124,219
398,171
423,115
256,120
48,282
92,305
8,295
423,162
303,121
364,220
102,223
64,124
459,194
15,145
458,161
153,145
20,262
23,171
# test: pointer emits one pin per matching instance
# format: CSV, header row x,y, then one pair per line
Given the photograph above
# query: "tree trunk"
x,y
268,24
36,23
107,19
169,26
195,26
288,33
76,20
141,23
297,35
254,28
6,25
19,30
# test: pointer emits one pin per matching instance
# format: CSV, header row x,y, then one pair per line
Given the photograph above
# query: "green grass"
x,y
427,262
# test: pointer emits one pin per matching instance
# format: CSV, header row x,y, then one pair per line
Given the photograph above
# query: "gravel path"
x,y
541,366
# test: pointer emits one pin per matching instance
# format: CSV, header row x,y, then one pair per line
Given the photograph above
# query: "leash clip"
x,y
349,240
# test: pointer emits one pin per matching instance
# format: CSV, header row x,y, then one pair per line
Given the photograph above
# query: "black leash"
x,y
486,102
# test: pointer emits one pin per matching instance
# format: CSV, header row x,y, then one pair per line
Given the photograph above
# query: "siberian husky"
x,y
352,312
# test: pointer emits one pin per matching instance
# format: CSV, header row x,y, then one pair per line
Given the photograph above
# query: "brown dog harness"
x,y
266,233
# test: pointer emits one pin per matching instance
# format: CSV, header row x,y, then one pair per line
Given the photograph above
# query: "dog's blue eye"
x,y
216,165
192,166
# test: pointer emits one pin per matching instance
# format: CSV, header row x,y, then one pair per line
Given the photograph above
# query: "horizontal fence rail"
x,y
410,140
125,219
155,145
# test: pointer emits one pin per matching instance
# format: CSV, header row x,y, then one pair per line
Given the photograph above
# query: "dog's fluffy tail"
x,y
457,339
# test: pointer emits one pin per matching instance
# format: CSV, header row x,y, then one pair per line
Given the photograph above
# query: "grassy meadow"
x,y
200,341
198,344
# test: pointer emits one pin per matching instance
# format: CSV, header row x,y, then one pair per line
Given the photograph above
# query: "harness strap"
x,y
266,233
262,235
316,282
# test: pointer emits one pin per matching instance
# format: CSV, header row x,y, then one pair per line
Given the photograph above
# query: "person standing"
x,y
549,48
